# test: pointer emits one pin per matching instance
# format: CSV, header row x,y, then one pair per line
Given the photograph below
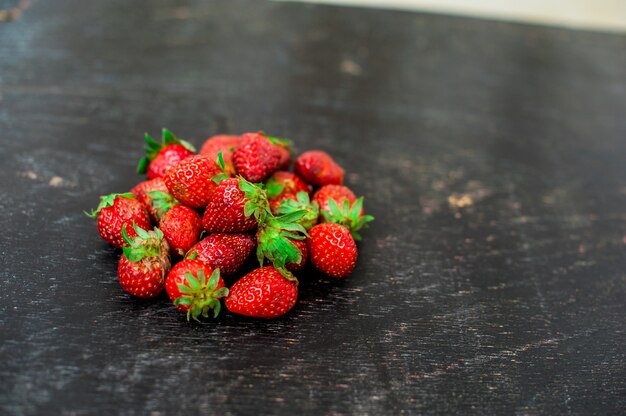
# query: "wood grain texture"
x,y
491,154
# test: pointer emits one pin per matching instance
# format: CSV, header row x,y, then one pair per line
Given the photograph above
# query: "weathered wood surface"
x,y
492,155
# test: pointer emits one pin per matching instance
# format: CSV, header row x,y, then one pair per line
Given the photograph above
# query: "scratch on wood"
x,y
501,355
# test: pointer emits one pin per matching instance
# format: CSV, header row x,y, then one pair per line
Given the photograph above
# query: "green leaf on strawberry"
x,y
273,188
303,203
161,202
274,241
279,141
256,200
107,201
349,216
146,244
153,148
219,161
201,295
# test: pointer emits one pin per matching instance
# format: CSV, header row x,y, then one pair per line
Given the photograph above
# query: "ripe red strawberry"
x,y
318,168
235,206
226,252
225,144
283,182
195,288
190,181
284,148
304,251
144,264
162,156
116,210
285,158
262,293
338,193
181,226
257,158
142,192
332,249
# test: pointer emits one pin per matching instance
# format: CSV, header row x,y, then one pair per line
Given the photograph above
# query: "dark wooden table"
x,y
493,156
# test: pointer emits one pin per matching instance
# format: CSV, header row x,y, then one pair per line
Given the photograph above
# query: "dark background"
x,y
492,155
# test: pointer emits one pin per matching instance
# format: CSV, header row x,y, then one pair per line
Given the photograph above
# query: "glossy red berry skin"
x,y
123,211
257,158
190,180
169,156
181,227
224,251
262,293
338,193
225,210
140,191
290,182
225,144
285,157
146,278
318,168
178,276
332,249
302,246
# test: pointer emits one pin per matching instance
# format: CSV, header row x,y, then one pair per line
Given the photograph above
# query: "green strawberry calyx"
x,y
349,216
153,148
201,294
223,175
161,202
147,244
257,203
107,201
303,203
274,241
273,188
279,141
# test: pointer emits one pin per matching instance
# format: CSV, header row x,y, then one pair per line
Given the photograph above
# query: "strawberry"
x,y
226,252
318,168
144,264
284,148
143,191
236,205
290,203
332,249
190,181
195,288
350,216
162,156
257,158
225,144
285,158
181,226
304,253
115,211
262,293
338,193
283,182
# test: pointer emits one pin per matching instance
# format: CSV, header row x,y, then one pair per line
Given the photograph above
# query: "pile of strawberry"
x,y
208,212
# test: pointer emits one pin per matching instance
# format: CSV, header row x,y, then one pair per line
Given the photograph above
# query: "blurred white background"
x,y
606,15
